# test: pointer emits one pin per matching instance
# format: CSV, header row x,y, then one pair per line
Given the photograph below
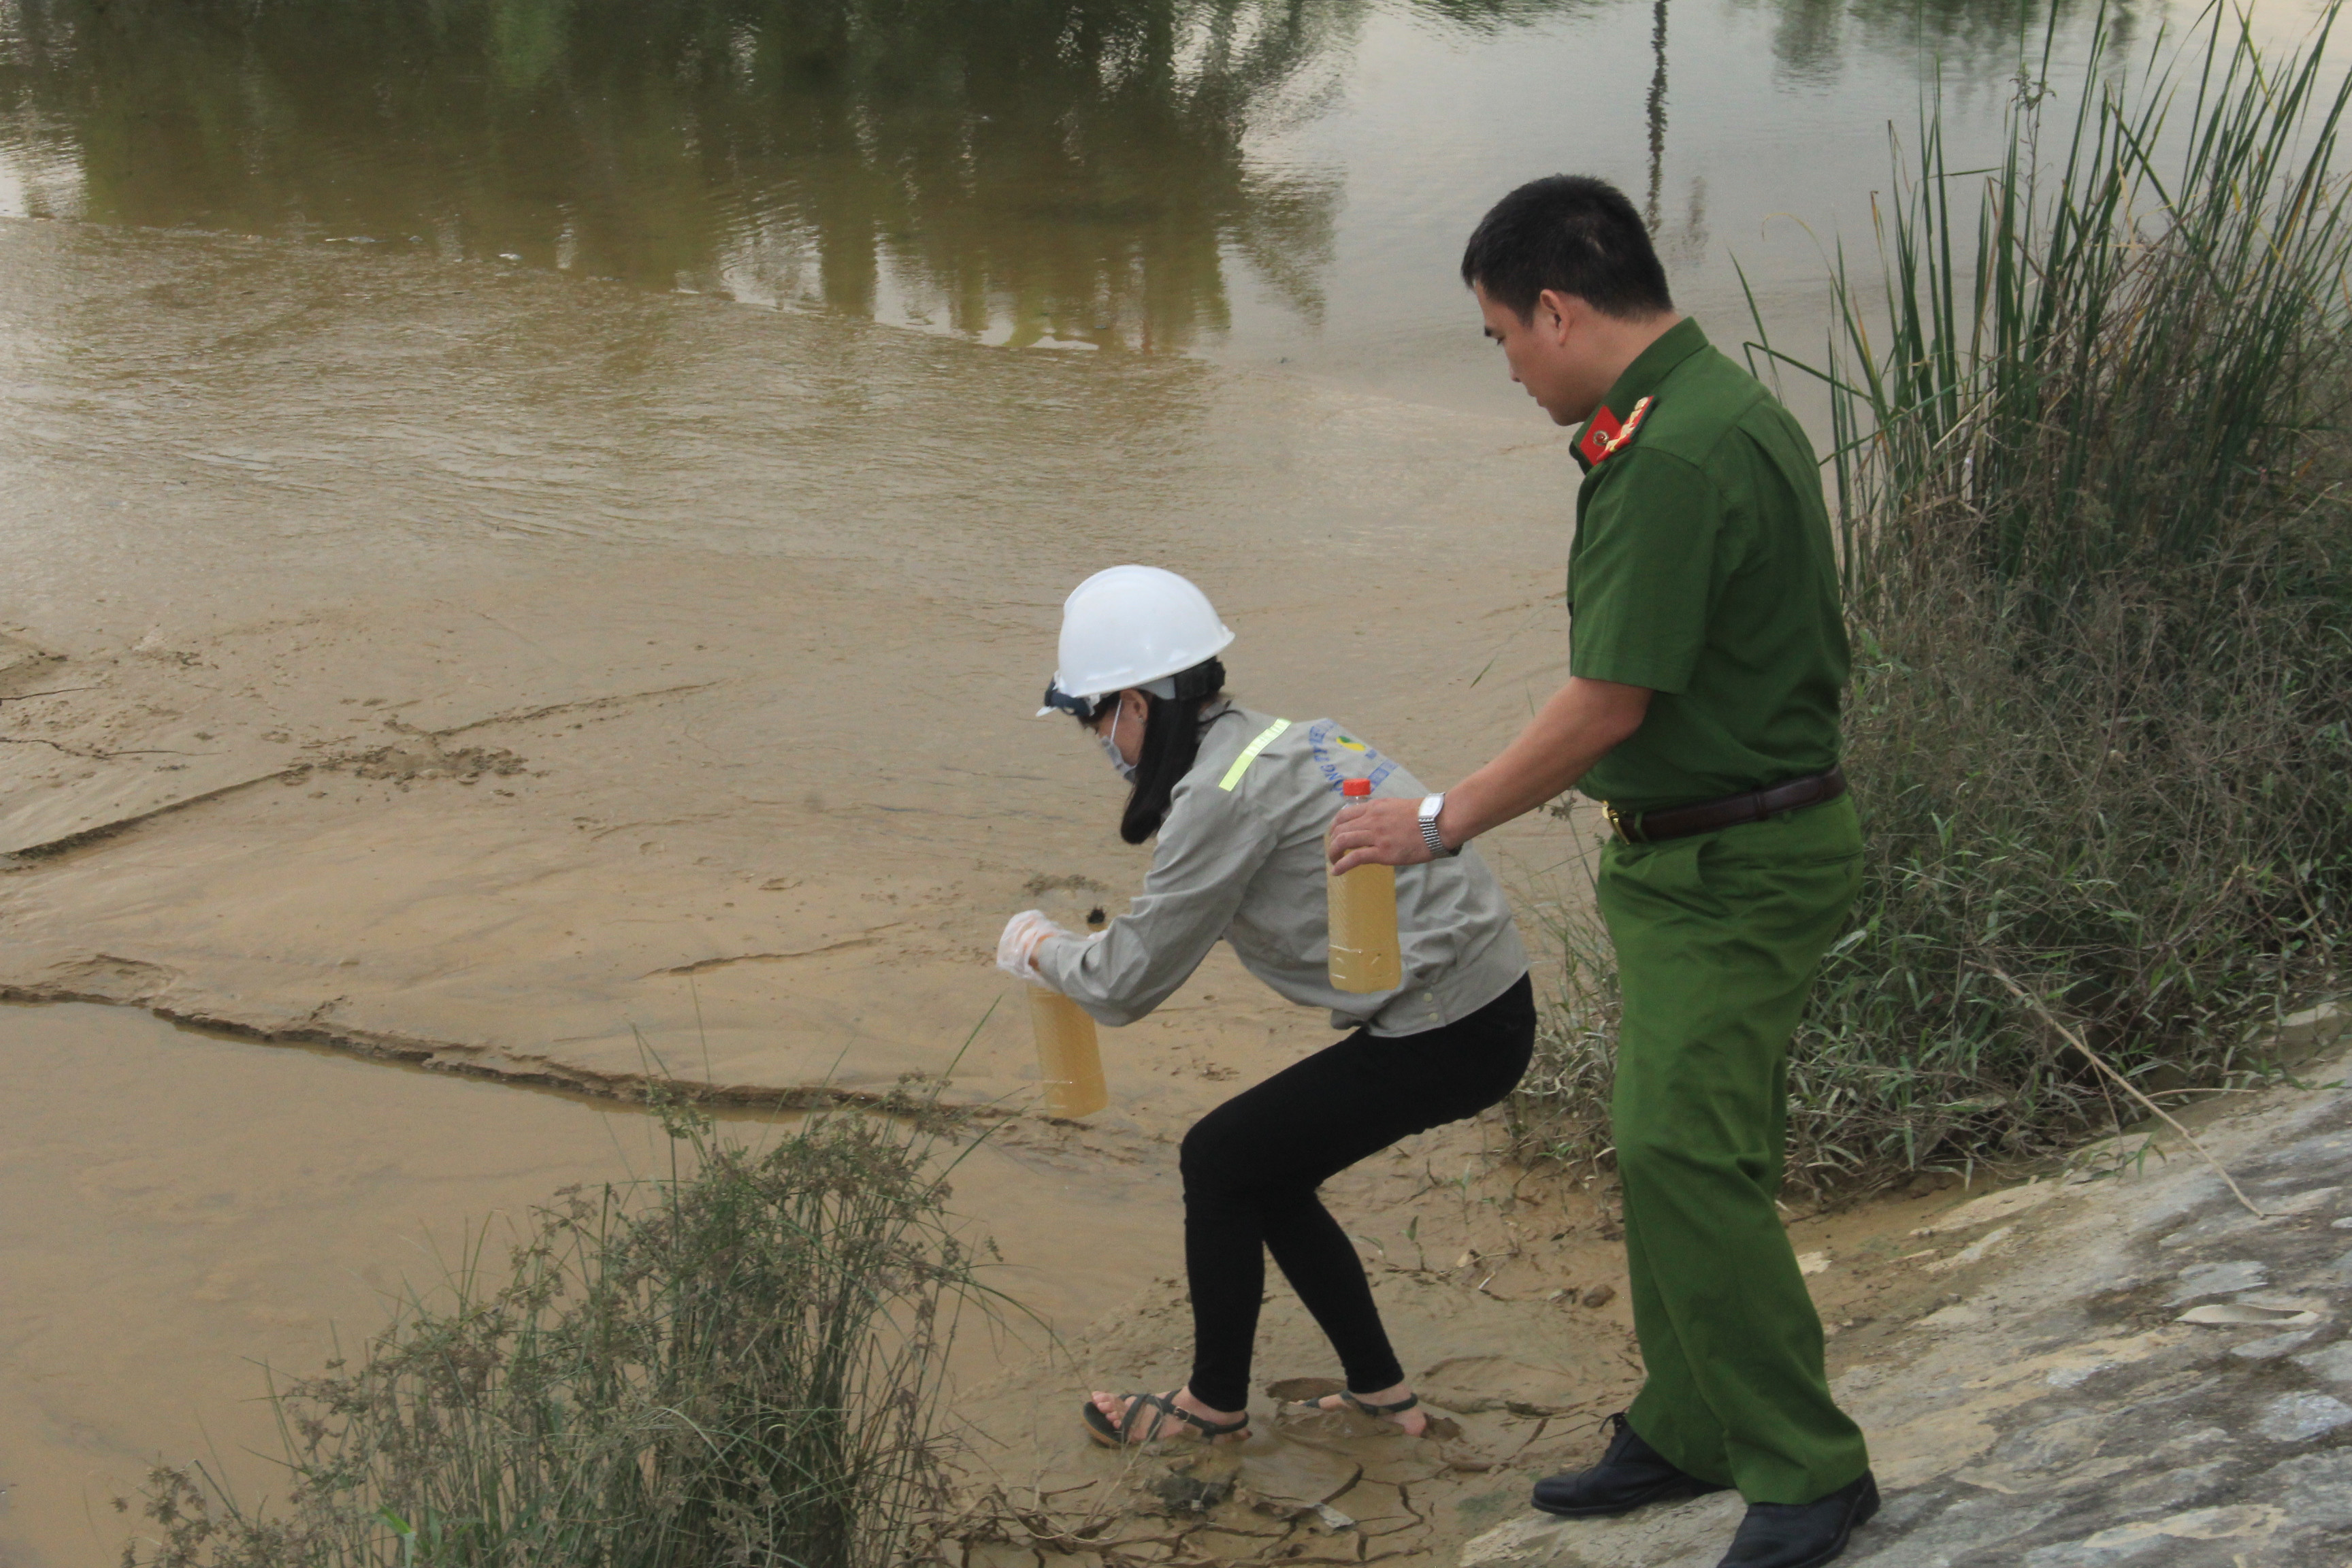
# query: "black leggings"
x,y
1252,1165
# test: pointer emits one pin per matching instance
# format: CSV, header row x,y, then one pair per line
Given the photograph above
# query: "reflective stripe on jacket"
x,y
1245,864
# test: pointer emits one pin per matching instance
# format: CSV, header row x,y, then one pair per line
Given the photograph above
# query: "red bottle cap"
x,y
1356,789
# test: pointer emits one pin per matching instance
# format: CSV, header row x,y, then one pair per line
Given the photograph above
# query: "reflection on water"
x,y
1281,182
1681,245
1657,103
1065,168
1024,170
1812,40
1030,168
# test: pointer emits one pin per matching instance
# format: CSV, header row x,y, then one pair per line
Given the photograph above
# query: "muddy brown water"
x,y
534,529
1276,184
179,1210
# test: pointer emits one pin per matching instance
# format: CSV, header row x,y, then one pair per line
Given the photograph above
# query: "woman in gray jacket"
x,y
1241,802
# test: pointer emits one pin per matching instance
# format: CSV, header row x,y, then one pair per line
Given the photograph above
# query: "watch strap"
x,y
1431,805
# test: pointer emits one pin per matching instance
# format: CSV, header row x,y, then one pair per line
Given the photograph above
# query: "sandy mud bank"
x,y
490,670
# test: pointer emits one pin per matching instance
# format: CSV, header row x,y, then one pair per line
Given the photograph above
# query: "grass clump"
x,y
2089,468
738,1363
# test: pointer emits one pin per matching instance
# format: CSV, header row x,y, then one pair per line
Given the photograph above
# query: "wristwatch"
x,y
1431,804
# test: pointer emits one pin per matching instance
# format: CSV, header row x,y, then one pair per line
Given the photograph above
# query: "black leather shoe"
x,y
1801,1534
1628,1475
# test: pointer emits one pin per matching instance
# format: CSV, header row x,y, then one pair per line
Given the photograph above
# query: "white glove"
x,y
1016,950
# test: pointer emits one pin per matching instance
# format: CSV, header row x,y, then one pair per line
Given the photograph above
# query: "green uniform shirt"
x,y
1703,570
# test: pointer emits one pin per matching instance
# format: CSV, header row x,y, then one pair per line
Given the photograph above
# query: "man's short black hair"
x,y
1571,233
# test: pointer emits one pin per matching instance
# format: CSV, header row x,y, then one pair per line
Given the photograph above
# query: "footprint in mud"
x,y
423,757
1040,884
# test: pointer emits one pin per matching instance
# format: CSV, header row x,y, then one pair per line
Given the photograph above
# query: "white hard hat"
x,y
1132,626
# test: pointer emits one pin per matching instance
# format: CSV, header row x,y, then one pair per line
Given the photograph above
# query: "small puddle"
x,y
178,1209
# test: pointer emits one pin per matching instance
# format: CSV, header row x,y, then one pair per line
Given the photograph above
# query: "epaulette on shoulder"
x,y
1606,437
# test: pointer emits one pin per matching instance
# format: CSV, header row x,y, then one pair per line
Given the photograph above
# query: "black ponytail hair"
x,y
1172,745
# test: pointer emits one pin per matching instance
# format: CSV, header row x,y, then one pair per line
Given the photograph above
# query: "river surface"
x,y
535,527
1271,182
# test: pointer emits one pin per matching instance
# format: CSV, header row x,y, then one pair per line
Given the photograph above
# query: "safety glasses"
x,y
1082,707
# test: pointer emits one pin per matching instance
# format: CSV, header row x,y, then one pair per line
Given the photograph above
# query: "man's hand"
x,y
1576,728
1377,832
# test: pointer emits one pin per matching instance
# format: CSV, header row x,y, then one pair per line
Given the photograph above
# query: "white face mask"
x,y
1109,743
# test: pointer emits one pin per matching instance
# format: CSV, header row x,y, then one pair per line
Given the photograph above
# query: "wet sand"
x,y
746,770
484,671
180,1212
186,1215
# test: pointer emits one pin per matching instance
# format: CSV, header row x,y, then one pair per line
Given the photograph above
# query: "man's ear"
x,y
1558,314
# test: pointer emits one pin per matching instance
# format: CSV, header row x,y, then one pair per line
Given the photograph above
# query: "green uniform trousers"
x,y
1719,936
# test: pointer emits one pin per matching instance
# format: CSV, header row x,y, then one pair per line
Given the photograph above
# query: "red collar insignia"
x,y
1603,429
1605,435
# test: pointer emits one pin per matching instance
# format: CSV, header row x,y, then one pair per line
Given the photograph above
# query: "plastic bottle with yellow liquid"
x,y
1364,954
1069,1056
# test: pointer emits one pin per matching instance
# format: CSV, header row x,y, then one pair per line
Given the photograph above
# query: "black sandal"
x,y
1163,1405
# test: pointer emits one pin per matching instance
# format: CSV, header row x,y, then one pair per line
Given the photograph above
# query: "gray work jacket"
x,y
1241,856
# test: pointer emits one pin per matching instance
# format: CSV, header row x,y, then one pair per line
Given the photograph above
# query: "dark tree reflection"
x,y
1971,40
1024,166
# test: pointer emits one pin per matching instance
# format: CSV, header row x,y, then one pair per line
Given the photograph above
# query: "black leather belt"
x,y
1706,816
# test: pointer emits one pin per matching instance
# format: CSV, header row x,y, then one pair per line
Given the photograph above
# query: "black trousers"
x,y
1252,1165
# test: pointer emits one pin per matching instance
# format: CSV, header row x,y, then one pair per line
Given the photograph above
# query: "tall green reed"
x,y
2117,358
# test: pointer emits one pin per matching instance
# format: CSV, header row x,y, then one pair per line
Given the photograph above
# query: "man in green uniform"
x,y
1707,656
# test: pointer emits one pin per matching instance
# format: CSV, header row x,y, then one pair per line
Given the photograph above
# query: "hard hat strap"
x,y
1205,678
